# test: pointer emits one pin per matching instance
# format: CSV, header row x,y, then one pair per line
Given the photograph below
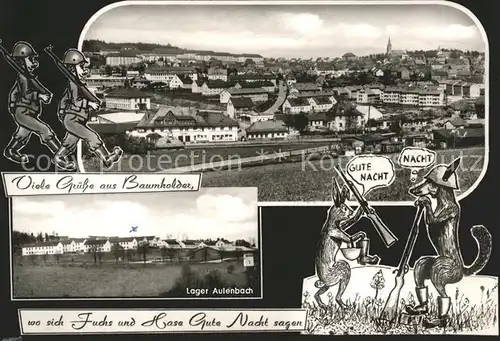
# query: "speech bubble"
x,y
371,171
416,158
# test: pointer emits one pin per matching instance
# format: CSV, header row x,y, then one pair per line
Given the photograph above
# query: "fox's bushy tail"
x,y
484,243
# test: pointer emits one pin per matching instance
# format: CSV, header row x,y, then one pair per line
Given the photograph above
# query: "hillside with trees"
x,y
93,45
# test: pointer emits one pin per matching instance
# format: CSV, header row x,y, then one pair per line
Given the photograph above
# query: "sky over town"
x,y
229,213
301,31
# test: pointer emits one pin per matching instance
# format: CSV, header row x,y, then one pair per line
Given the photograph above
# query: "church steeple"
x,y
389,46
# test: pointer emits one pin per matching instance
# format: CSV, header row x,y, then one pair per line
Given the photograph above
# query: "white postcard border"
x,y
97,299
459,7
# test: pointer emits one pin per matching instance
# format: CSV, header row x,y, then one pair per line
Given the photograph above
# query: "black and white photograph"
x,y
183,245
276,96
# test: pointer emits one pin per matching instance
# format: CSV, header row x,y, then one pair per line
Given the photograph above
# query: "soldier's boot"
x,y
442,319
109,159
422,306
364,255
61,154
12,152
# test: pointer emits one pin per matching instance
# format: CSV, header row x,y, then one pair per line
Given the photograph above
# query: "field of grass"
x,y
311,181
474,307
165,159
83,278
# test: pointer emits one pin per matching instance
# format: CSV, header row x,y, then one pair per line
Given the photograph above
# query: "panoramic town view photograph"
x,y
153,245
275,96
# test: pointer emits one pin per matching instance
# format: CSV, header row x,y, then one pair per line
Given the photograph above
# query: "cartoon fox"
x,y
330,272
442,230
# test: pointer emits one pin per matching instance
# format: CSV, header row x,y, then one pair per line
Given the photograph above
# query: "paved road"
x,y
236,162
281,99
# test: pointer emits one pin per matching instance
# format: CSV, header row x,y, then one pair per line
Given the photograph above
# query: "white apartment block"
x,y
117,60
105,81
46,248
414,97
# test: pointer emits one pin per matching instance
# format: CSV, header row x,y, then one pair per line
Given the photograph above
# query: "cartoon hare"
x,y
330,272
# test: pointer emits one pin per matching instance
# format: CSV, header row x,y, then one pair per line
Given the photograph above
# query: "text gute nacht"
x,y
367,174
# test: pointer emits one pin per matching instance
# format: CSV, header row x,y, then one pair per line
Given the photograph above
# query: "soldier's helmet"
x,y
23,49
444,175
74,57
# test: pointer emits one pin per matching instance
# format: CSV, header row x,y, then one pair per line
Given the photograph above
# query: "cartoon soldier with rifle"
x,y
25,105
74,109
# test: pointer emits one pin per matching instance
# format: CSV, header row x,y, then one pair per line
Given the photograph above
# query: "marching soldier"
x,y
74,113
25,106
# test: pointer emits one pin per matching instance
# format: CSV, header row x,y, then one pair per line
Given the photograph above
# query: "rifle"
x,y
71,77
383,231
32,79
390,311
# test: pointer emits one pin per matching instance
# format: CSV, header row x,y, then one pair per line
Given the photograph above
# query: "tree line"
x,y
95,45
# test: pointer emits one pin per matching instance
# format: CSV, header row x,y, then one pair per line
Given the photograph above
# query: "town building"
x,y
97,81
219,73
166,73
127,99
367,96
296,106
175,83
317,120
409,97
187,82
345,117
320,103
193,244
369,112
424,97
324,69
327,94
196,86
68,246
140,82
461,89
391,95
170,244
188,126
221,243
352,91
255,94
250,78
43,248
252,116
429,98
79,245
303,88
126,243
388,50
237,106
97,245
269,129
150,240
124,58
266,85
349,56
213,87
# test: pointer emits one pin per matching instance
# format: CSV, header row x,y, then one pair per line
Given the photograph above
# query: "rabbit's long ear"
x,y
335,192
346,194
